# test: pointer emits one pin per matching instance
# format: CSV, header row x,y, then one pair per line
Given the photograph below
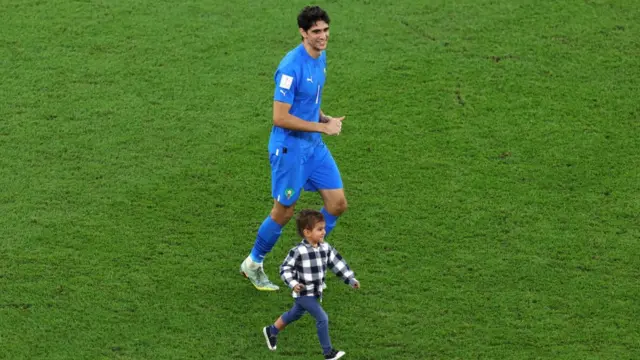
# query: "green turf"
x,y
490,156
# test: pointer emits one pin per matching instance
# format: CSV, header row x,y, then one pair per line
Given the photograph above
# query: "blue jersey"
x,y
299,80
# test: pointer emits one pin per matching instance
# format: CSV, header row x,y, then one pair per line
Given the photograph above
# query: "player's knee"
x,y
282,214
339,207
288,213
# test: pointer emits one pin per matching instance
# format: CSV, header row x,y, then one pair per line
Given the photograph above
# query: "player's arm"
x,y
287,269
284,96
283,119
339,267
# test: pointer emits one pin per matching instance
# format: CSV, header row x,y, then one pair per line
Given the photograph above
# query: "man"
x,y
298,157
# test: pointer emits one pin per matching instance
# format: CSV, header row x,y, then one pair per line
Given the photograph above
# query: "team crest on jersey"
x,y
288,193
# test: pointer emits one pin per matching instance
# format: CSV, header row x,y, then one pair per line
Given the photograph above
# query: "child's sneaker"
x,y
272,340
334,354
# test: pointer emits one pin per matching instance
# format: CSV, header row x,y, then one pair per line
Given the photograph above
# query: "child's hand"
x,y
356,284
298,288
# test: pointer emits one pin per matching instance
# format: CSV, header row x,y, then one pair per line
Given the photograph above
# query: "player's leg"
x,y
268,234
270,230
286,175
335,204
325,178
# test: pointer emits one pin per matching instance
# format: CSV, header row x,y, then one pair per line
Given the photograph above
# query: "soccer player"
x,y
304,271
299,158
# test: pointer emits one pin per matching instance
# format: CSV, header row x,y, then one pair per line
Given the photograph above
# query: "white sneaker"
x,y
257,277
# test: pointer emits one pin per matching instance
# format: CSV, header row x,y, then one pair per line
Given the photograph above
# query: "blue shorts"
x,y
292,171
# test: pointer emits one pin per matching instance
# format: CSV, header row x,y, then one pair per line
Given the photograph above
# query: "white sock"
x,y
252,265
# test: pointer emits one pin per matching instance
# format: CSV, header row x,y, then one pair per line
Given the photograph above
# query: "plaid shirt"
x,y
307,265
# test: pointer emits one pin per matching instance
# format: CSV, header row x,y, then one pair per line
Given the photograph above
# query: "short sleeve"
x,y
285,81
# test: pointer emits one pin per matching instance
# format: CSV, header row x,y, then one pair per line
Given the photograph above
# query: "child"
x,y
304,271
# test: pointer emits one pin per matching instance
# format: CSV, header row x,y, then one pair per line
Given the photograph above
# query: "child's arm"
x,y
340,267
288,269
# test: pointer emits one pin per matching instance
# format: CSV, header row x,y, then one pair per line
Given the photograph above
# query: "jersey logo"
x,y
286,81
310,79
288,193
284,93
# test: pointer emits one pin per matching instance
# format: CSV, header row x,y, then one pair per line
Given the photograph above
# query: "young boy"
x,y
304,271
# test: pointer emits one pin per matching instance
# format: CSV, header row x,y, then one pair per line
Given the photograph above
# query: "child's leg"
x,y
287,318
311,304
280,324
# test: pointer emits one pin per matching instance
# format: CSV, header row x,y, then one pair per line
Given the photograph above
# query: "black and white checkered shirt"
x,y
307,265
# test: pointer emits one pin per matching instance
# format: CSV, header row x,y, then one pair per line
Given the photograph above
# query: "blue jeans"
x,y
312,305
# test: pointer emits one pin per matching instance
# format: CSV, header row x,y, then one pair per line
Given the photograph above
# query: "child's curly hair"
x,y
307,219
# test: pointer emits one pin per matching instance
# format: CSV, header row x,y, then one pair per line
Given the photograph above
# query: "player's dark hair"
x,y
310,15
307,219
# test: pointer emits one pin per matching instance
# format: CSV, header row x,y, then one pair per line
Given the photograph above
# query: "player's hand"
x,y
298,288
333,126
325,118
356,285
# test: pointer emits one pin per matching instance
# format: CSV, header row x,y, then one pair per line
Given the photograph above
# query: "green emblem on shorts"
x,y
288,193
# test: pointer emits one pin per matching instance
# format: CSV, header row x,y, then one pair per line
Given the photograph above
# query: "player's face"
x,y
316,235
317,36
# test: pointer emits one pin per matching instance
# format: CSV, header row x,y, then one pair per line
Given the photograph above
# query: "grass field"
x,y
490,156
